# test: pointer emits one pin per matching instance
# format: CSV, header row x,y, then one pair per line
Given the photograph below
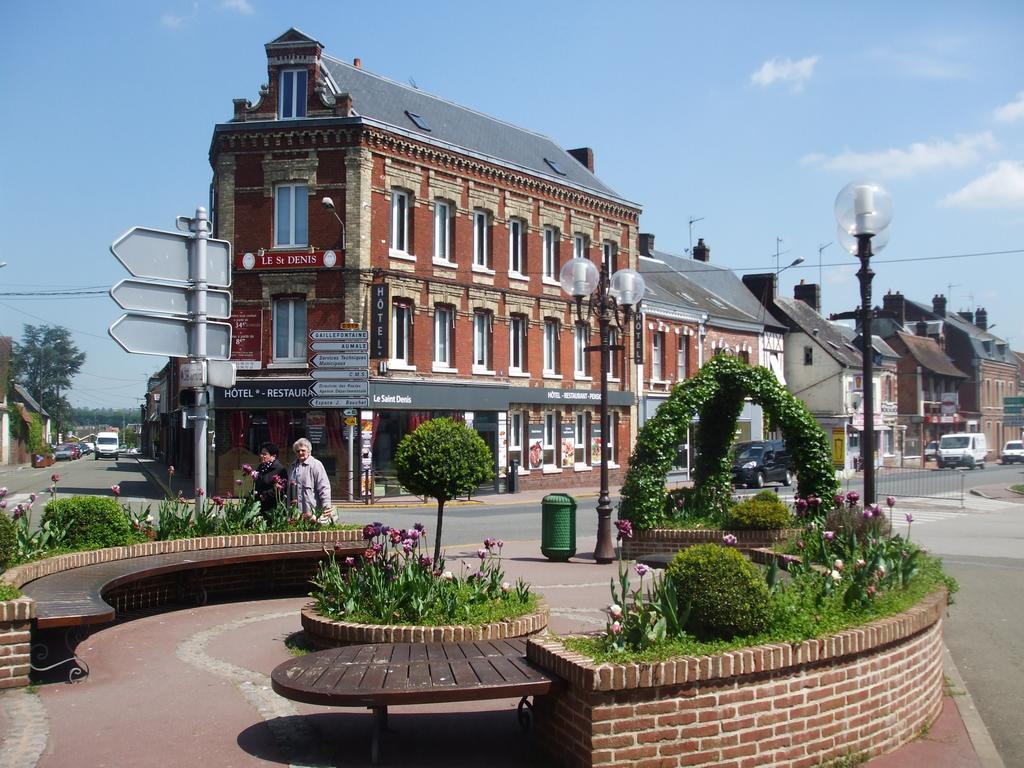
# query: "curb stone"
x,y
984,747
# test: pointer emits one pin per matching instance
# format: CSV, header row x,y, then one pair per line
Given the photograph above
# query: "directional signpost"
x,y
1013,411
169,311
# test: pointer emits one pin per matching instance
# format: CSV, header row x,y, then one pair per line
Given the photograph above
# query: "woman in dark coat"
x,y
270,478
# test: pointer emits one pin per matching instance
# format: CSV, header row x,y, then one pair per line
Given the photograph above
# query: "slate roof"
x,y
852,335
803,318
24,397
986,345
929,355
389,102
702,286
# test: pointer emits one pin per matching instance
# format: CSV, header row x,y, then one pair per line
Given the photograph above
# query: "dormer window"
x,y
292,94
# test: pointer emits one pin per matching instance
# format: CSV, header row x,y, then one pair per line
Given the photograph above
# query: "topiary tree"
x,y
90,522
726,594
716,395
443,459
8,540
763,511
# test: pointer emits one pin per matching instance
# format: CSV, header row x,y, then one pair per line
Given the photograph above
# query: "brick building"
x,y
445,241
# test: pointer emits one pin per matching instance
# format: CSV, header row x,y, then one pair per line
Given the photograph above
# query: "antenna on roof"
x,y
692,222
412,82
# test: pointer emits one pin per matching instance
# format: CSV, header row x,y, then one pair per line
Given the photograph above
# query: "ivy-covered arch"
x,y
717,393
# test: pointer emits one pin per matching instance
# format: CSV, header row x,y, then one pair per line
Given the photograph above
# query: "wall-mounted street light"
x,y
864,212
328,204
610,298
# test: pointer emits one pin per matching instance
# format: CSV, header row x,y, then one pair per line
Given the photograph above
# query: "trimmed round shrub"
x,y
764,510
91,522
727,594
8,540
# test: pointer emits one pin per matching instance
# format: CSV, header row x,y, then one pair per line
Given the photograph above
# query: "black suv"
x,y
761,461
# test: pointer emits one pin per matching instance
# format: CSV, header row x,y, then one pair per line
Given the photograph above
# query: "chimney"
x,y
809,294
343,105
939,304
586,157
921,329
895,303
981,318
647,244
700,251
357,63
966,315
762,285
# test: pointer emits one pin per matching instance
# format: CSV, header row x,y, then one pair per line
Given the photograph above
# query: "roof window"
x,y
418,120
554,166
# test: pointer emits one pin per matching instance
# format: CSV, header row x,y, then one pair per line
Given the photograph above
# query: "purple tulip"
x,y
625,529
890,500
729,540
852,498
829,535
839,499
641,569
910,518
481,553
801,506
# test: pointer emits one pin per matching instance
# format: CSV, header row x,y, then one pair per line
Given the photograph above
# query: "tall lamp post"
x,y
864,212
611,298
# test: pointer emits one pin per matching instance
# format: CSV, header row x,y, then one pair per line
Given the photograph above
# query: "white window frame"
x,y
552,329
609,255
517,421
443,233
401,335
550,443
517,248
613,356
517,325
481,241
297,107
444,332
580,245
581,338
581,433
657,355
296,330
296,213
681,357
550,255
401,203
483,327
613,428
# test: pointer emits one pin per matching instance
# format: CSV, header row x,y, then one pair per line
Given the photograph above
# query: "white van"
x,y
962,449
107,445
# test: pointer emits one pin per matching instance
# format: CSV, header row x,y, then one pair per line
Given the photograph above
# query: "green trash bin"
x,y
558,526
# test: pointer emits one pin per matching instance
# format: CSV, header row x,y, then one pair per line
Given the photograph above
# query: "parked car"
x,y
760,462
931,451
1013,451
64,452
85,448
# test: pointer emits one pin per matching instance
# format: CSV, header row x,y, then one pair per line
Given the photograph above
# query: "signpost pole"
x,y
198,268
351,462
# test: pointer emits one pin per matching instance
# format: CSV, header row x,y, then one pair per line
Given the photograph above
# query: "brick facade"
x,y
865,691
15,641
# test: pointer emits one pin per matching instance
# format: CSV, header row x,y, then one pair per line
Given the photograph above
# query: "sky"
x,y
747,118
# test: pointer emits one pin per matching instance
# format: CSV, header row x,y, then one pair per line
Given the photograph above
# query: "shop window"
x,y
550,439
517,247
551,329
291,214
517,344
517,421
444,323
482,328
581,434
292,93
401,334
289,330
550,256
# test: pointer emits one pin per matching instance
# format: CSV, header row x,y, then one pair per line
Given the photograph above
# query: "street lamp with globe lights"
x,y
611,298
863,212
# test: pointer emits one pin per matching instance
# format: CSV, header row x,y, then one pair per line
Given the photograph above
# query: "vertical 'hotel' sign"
x,y
638,335
380,311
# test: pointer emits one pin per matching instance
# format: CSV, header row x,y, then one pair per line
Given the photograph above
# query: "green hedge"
x,y
8,540
764,510
90,522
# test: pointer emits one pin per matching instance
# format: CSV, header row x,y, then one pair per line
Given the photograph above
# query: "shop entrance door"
x,y
489,434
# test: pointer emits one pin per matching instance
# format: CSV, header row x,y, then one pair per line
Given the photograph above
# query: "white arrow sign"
x,y
168,299
168,336
340,373
160,255
339,335
341,360
336,388
338,402
340,346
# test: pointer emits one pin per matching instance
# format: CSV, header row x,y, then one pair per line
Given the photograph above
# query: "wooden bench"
x,y
383,674
80,597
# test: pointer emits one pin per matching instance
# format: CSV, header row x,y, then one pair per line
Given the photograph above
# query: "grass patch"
x,y
9,592
798,614
1019,488
298,644
486,612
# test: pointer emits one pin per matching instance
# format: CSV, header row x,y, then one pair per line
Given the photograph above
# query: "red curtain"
x,y
335,433
277,426
416,418
240,421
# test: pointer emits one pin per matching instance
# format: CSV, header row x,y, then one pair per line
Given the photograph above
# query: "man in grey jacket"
x,y
308,484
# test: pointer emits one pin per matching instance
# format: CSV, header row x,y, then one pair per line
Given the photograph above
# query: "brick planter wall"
x,y
864,691
671,540
16,616
327,633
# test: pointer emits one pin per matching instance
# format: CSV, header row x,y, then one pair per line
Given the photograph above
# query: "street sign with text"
x,y
168,336
359,388
338,402
340,346
322,335
340,373
142,296
159,255
342,360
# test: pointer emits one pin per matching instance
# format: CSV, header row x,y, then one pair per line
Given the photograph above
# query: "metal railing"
x,y
921,483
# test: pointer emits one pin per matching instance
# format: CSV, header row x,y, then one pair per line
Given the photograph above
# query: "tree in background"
x,y
45,362
443,459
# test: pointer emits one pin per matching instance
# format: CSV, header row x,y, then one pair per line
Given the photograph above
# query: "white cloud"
x,y
919,157
797,73
1002,187
1011,112
242,6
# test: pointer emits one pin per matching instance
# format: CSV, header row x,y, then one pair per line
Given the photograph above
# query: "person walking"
x,y
270,481
308,484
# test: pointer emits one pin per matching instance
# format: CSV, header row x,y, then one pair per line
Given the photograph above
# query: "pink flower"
x,y
247,468
254,475
116,490
32,498
3,491
890,500
910,518
641,569
238,482
625,529
616,627
53,479
729,540
200,491
481,553
615,611
170,470
829,535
